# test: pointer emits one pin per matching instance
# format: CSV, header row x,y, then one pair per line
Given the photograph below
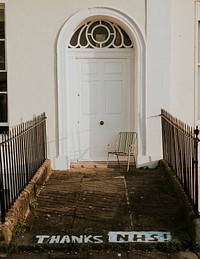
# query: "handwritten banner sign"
x,y
112,237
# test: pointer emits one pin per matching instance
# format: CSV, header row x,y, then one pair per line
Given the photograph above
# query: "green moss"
x,y
33,204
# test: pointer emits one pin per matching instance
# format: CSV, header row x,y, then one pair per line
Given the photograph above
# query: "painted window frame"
x,y
112,36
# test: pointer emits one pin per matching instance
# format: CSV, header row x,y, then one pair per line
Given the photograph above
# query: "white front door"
x,y
101,106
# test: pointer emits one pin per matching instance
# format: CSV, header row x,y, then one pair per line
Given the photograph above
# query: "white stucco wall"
x,y
182,96
170,65
32,29
158,72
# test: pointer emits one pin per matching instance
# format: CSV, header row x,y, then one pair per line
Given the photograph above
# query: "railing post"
x,y
2,197
2,200
196,132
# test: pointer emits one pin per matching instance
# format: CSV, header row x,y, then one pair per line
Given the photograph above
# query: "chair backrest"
x,y
125,140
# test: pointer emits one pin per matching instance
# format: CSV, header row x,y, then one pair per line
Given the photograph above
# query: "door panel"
x,y
114,104
102,94
89,98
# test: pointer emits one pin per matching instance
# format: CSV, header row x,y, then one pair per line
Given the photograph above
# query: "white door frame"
x,y
111,54
63,70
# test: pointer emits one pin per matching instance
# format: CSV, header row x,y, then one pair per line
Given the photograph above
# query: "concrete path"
x,y
88,207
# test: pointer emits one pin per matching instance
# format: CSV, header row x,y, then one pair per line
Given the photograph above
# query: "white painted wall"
x,y
158,72
182,97
168,28
32,30
170,65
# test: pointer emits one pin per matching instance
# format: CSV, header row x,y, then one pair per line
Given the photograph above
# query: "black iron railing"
x,y
180,150
22,151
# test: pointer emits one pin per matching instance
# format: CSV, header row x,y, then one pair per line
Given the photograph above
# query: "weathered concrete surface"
x,y
105,255
95,200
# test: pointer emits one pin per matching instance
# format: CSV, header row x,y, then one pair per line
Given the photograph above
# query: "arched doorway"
x,y
100,87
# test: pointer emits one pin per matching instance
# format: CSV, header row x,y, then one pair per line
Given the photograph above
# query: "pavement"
x,y
96,212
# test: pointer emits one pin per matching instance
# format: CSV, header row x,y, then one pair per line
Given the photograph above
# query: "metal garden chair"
x,y
126,146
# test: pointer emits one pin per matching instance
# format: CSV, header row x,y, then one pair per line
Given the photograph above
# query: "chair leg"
x,y
129,157
118,160
127,166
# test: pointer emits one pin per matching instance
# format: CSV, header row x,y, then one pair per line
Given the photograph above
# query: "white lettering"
x,y
113,237
87,239
54,239
65,239
41,238
75,239
98,239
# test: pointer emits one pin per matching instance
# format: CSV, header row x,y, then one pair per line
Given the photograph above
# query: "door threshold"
x,y
88,164
103,164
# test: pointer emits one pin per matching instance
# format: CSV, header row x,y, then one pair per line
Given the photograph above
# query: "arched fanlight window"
x,y
100,34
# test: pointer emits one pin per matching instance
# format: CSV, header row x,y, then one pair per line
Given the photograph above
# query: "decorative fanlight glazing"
x,y
100,34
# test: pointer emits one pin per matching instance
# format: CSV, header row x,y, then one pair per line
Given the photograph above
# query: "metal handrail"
x,y
22,151
180,151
